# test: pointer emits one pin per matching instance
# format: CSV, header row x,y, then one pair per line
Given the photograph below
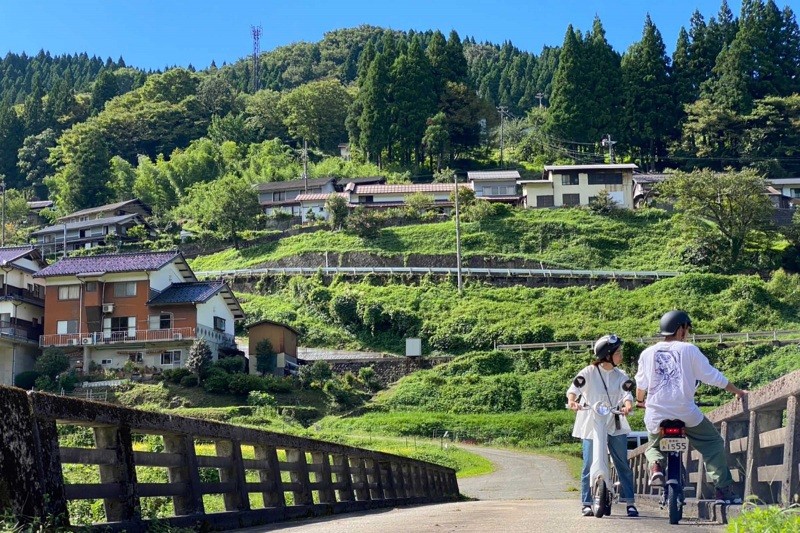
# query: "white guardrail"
x,y
443,271
750,336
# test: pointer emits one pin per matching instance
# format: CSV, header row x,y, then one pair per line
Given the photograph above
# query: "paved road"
x,y
525,493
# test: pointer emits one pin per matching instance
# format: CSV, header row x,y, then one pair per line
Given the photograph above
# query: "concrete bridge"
x,y
304,478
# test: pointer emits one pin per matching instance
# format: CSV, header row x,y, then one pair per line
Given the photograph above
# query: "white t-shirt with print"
x,y
668,371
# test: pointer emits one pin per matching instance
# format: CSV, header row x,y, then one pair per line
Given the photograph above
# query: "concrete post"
x,y
326,494
123,473
345,477
191,501
273,497
236,499
790,485
760,422
299,475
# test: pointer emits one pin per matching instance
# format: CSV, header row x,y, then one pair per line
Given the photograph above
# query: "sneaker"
x,y
656,475
727,496
632,512
587,510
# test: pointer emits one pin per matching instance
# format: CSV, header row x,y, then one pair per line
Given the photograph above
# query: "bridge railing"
x,y
296,477
762,443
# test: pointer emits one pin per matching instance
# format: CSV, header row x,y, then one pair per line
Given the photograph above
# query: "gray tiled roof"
x,y
290,184
133,262
493,175
58,228
187,293
104,208
372,179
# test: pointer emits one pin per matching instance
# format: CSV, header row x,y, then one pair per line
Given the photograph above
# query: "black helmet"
x,y
605,346
673,320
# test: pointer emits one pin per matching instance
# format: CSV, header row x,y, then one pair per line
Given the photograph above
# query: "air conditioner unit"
x,y
108,308
177,336
87,340
73,342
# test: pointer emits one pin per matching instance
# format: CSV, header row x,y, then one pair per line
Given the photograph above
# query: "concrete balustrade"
x,y
762,442
321,478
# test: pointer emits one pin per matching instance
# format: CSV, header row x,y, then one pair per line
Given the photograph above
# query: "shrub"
x,y
369,378
261,399
242,384
45,383
189,381
217,381
315,375
67,381
231,365
265,357
199,359
303,415
175,375
342,395
52,362
27,379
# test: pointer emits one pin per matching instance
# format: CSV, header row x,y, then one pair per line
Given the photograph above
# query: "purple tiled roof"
x,y
133,262
187,293
12,253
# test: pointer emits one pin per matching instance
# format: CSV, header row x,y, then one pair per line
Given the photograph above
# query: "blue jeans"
x,y
618,446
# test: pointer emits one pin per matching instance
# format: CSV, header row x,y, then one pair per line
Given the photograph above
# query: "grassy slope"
x,y
569,238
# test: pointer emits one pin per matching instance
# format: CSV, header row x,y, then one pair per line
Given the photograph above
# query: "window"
x,y
172,357
570,179
125,288
161,321
605,179
546,200
279,196
366,199
5,318
119,328
795,193
219,323
105,361
69,292
571,199
136,357
65,327
91,286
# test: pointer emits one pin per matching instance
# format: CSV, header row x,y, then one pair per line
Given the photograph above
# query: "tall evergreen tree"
x,y
374,122
33,115
88,174
602,65
12,134
456,63
104,89
414,100
681,83
566,113
648,106
437,56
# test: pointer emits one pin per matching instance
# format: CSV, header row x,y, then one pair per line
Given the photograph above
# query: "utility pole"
x,y
256,32
503,110
606,141
3,185
540,96
305,166
458,236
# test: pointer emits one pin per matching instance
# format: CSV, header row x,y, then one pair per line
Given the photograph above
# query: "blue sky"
x,y
153,34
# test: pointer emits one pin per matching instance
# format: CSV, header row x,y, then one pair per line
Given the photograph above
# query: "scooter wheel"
x,y
600,506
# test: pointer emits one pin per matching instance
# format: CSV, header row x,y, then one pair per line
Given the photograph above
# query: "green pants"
x,y
705,439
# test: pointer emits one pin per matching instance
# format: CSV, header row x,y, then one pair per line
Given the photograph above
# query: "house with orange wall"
x,y
147,308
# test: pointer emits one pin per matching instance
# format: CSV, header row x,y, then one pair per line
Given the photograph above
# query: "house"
x,y
575,185
495,185
312,206
95,226
344,151
21,310
383,196
143,307
283,339
34,211
644,188
281,196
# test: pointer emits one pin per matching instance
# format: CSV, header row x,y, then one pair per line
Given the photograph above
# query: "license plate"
x,y
674,445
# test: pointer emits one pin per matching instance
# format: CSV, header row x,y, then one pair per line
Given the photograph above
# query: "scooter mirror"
x,y
579,381
628,386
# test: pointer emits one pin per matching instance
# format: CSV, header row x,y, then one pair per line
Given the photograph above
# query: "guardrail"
x,y
762,443
720,338
441,271
291,477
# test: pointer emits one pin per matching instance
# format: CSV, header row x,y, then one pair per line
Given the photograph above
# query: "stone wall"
x,y
388,370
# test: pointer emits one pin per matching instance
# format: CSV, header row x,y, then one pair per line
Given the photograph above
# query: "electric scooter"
x,y
602,490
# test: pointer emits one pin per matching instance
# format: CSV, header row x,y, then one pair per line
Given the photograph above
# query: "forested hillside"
x,y
83,131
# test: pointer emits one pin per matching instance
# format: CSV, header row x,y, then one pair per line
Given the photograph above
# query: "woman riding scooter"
x,y
603,381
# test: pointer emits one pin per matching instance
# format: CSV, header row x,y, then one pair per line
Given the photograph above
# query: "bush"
x,y
231,365
242,384
52,362
303,415
175,375
67,381
27,379
189,381
315,375
46,383
217,381
261,399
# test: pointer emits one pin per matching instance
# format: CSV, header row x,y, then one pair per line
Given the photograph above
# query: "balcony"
x,y
101,338
16,294
19,331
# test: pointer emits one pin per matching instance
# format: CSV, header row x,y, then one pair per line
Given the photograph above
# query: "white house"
x,y
575,185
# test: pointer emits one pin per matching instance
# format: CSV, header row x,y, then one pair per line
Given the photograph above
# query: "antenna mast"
x,y
256,32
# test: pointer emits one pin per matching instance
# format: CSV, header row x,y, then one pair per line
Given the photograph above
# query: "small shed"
x,y
283,339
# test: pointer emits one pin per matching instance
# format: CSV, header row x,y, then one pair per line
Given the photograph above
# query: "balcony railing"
x,y
11,329
127,336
